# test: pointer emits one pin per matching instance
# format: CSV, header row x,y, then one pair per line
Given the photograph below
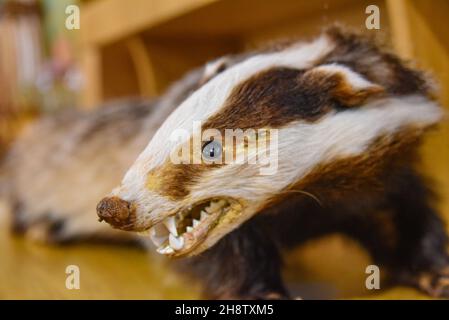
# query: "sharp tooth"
x,y
195,223
189,229
235,206
165,250
176,242
212,207
203,215
158,240
215,205
169,250
170,223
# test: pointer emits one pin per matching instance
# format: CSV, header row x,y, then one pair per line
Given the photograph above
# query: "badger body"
x,y
348,118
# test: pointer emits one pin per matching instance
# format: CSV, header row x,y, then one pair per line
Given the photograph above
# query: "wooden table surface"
x,y
328,268
34,271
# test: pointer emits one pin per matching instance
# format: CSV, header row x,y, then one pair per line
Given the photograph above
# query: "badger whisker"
x,y
310,195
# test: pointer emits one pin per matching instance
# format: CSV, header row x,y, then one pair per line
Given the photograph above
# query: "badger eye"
x,y
212,150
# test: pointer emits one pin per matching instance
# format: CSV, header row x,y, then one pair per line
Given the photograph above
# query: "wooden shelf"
x,y
142,35
106,21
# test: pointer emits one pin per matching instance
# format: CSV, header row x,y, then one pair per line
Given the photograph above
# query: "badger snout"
x,y
117,212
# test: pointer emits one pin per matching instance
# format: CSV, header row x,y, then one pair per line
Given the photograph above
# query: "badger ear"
x,y
212,68
342,86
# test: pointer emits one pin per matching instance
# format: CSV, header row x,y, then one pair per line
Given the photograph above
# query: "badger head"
x,y
305,106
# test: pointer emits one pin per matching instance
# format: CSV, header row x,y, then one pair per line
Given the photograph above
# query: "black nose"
x,y
117,212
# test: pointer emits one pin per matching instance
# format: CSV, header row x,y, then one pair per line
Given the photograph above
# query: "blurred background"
x,y
137,48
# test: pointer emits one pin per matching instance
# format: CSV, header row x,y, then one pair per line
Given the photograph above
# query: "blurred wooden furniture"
x,y
419,31
137,47
21,56
155,41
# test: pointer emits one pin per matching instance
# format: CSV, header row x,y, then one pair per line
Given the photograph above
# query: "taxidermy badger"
x,y
349,118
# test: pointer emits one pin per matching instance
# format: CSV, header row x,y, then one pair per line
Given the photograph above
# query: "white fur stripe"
x,y
353,78
209,99
304,145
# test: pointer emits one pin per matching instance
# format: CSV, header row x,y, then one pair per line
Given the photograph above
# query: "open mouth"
x,y
179,234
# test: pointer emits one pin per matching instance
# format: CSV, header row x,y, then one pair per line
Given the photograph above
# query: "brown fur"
x,y
340,93
276,97
271,99
328,183
370,58
173,180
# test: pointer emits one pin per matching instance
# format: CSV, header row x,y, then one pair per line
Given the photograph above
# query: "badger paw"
x,y
271,295
45,229
434,284
64,229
